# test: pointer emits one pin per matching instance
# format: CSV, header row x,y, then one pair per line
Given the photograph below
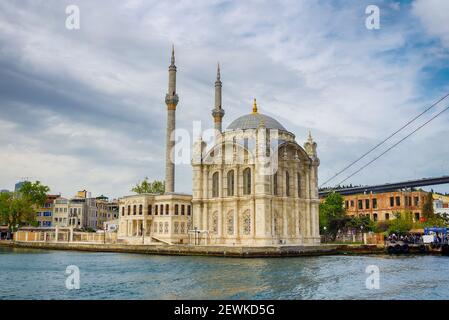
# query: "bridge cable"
x,y
385,140
394,145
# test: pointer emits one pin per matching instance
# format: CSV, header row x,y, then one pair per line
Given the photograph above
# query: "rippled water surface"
x,y
37,274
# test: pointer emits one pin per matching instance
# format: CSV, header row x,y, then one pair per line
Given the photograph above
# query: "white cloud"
x,y
433,15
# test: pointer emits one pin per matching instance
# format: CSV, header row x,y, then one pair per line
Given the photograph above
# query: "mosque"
x,y
254,186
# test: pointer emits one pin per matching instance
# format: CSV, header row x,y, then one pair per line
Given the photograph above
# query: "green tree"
x,y
157,187
19,208
402,224
427,207
361,223
35,192
332,214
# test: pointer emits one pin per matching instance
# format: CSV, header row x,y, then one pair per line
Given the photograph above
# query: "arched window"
x,y
129,210
230,183
167,209
275,184
156,209
287,184
215,185
176,209
189,210
150,210
247,181
162,209
140,209
183,208
134,210
298,181
123,211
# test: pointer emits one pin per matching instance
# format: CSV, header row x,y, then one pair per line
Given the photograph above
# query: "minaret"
x,y
171,100
218,112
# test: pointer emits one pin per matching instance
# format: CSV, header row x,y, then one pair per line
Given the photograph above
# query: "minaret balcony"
x,y
171,99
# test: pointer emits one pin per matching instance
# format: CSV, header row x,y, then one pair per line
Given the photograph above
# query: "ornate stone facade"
x,y
155,218
256,186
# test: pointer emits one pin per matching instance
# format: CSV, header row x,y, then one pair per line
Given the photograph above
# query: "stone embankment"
x,y
222,251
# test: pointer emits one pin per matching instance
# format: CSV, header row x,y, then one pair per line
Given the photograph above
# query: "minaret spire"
x,y
171,100
218,112
173,55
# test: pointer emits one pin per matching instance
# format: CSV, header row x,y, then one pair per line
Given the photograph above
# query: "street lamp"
x,y
325,234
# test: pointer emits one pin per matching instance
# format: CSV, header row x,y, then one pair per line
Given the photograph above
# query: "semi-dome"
x,y
254,121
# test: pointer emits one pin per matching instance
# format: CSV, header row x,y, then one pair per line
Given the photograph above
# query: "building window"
x,y
183,227
189,210
346,204
230,183
123,211
366,203
374,203
298,181
182,210
275,184
398,201
387,216
140,209
167,209
416,201
134,210
375,216
360,204
416,216
162,209
287,184
161,227
352,203
215,184
391,201
247,181
176,227
166,228
150,210
176,209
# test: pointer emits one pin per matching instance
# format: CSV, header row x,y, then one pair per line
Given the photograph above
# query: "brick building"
x,y
382,206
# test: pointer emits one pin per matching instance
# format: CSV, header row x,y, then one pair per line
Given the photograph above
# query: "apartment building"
x,y
44,215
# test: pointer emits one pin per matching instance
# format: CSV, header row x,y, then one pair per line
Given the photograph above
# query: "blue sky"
x,y
84,109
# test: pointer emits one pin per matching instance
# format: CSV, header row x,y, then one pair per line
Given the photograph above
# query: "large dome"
x,y
255,120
